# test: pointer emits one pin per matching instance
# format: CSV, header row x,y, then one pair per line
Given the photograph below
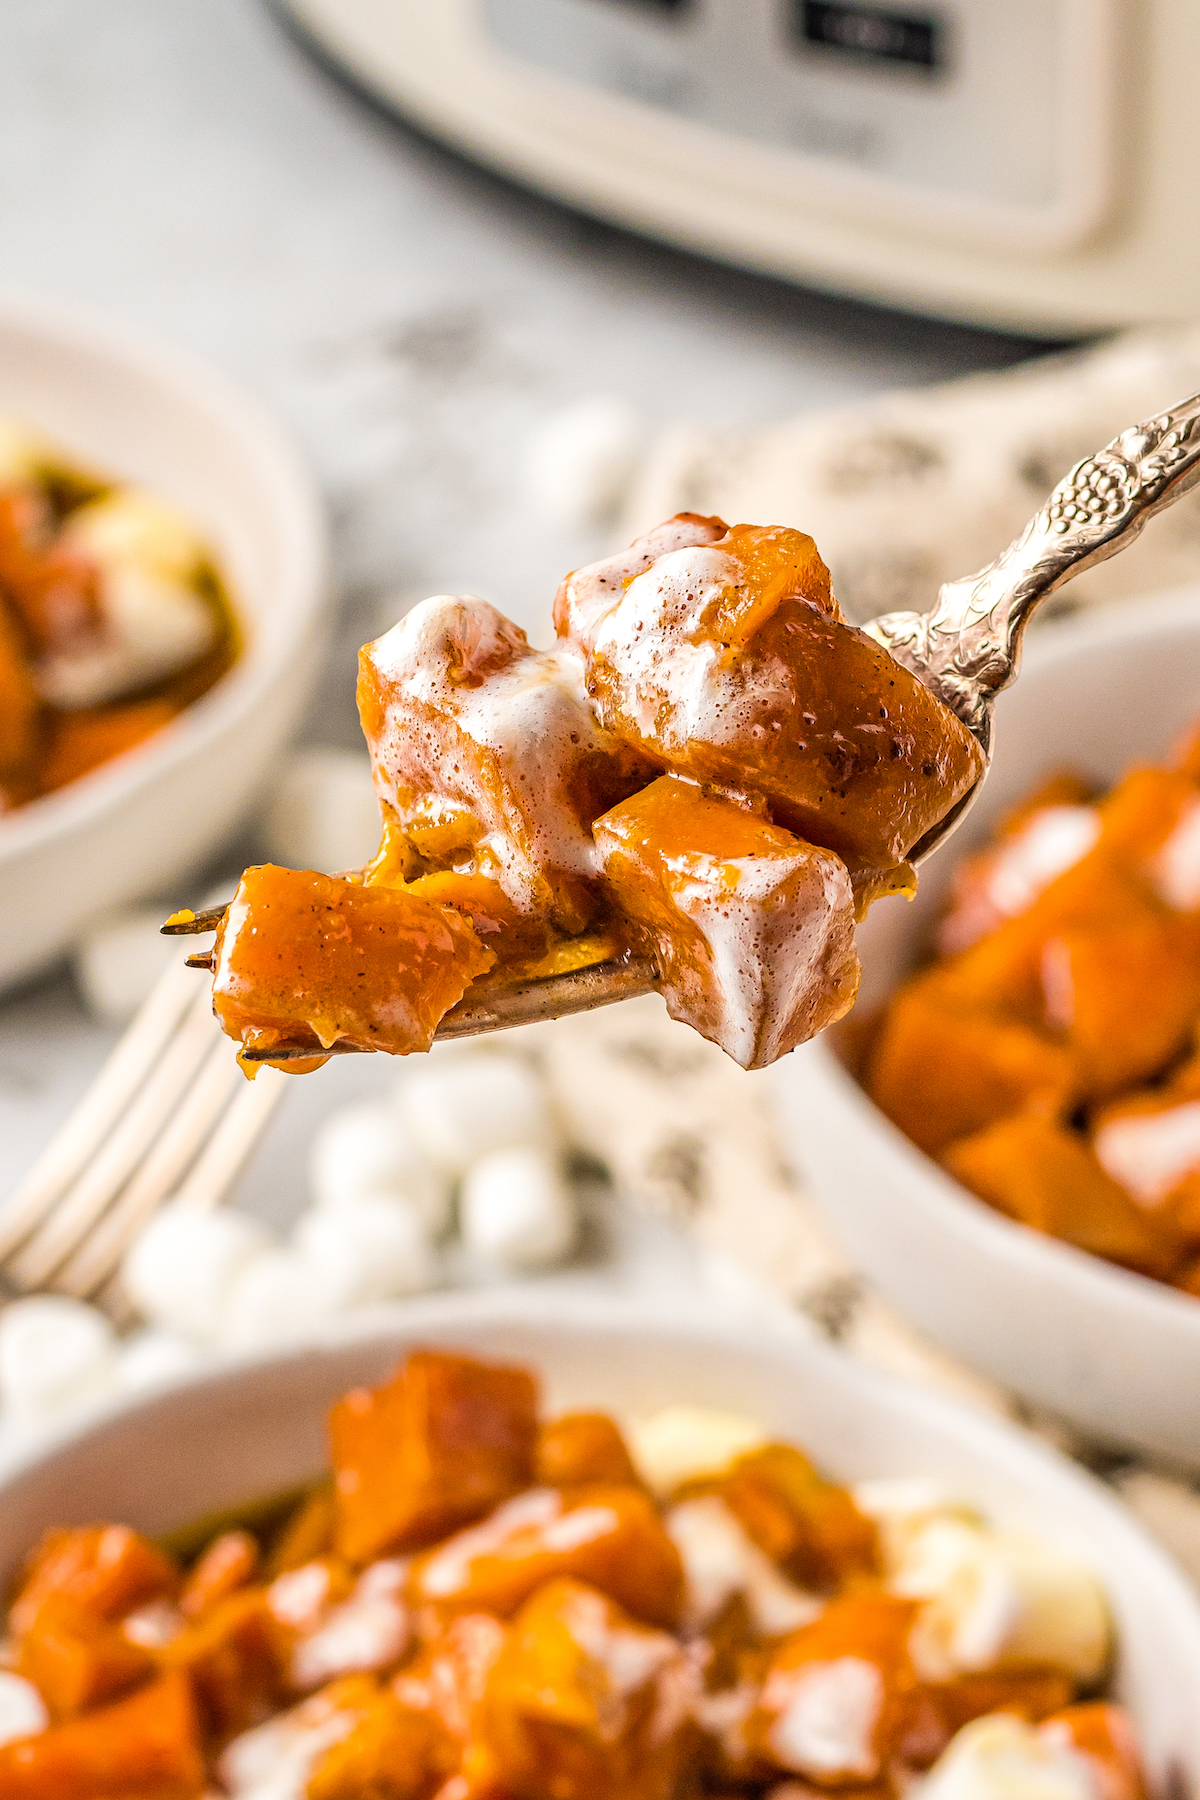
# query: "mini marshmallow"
x,y
469,1106
22,1709
323,814
153,1357
901,1506
580,460
371,1249
119,962
1002,1757
361,1150
996,1599
516,1210
180,1269
55,1354
276,1297
680,1443
720,1560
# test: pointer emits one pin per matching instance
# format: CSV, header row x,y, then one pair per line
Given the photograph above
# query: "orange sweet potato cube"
x,y
104,1570
307,1534
489,756
392,1753
752,929
808,1525
941,1073
143,1748
307,957
1104,1735
442,1442
77,1660
730,662
236,1658
580,1448
1126,996
610,1537
1032,1693
447,1682
1048,1178
227,1564
585,1704
20,708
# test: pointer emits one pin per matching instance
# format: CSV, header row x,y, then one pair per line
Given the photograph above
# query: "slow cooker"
x,y
1028,164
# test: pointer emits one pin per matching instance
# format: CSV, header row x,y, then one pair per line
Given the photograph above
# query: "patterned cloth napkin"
x,y
901,494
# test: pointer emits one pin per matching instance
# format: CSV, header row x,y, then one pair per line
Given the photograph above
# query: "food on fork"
x,y
711,770
112,618
1048,1056
485,1604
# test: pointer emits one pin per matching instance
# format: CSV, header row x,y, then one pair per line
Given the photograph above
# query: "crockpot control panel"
x,y
967,102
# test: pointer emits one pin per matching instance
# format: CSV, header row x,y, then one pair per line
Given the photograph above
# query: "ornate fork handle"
x,y
968,646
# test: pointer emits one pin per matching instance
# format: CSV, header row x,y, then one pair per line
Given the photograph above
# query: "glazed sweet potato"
x,y
143,1748
752,930
1104,1736
441,1443
228,1563
580,1448
809,1526
77,1660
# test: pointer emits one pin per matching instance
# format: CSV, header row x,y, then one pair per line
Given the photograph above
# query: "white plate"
x,y
257,1429
1115,1353
141,413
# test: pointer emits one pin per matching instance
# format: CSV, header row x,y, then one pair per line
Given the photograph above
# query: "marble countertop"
x,y
186,167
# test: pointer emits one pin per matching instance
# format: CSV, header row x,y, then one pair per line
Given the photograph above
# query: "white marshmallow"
x,y
1001,1598
374,1248
274,1761
580,460
361,1150
901,1506
516,1210
276,1297
680,1443
55,1354
153,1357
720,1559
1002,1757
323,814
180,1269
119,962
22,1709
131,528
468,1106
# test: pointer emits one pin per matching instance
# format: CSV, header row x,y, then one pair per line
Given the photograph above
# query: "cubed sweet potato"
x,y
306,1533
79,742
304,957
1104,1735
809,1526
580,1448
941,1073
611,1537
20,708
752,929
445,1686
392,1753
77,1660
143,1748
443,1442
1048,1178
585,1704
731,663
1032,1693
105,1570
230,1562
236,1658
1126,996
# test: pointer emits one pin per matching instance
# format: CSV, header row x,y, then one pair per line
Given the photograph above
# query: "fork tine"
x,y
93,1118
223,1157
100,1253
194,924
81,1204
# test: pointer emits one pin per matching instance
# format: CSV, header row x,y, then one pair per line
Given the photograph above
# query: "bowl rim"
x,y
287,492
1092,1278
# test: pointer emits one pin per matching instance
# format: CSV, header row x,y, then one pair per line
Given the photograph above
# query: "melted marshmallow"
x,y
449,1567
1150,1153
826,1714
275,1760
1176,868
1002,1757
589,594
22,1709
720,1560
369,1630
1053,840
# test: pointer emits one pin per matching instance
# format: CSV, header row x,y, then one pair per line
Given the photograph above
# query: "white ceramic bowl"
x,y
1115,1353
138,825
255,1430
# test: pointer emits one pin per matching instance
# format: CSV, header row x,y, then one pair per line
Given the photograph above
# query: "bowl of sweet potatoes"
x,y
1001,1139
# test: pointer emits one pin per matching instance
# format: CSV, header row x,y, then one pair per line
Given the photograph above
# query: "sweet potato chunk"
x,y
391,1753
851,1664
442,1442
1150,1143
1047,1178
808,1525
753,930
731,663
489,756
236,1658
446,1686
1031,1693
1126,996
586,596
77,1660
1104,1735
81,741
20,709
584,1704
102,1570
580,1448
143,1748
228,1563
941,1073
303,957
611,1537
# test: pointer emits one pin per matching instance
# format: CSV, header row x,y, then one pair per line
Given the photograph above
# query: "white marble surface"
x,y
184,166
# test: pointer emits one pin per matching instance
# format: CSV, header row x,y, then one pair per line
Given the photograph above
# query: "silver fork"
x,y
169,1113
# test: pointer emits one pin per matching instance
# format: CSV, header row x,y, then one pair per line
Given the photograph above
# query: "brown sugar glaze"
x,y
710,767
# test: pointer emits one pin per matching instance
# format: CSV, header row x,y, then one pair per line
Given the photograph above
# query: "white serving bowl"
x,y
143,822
1116,1354
214,1443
